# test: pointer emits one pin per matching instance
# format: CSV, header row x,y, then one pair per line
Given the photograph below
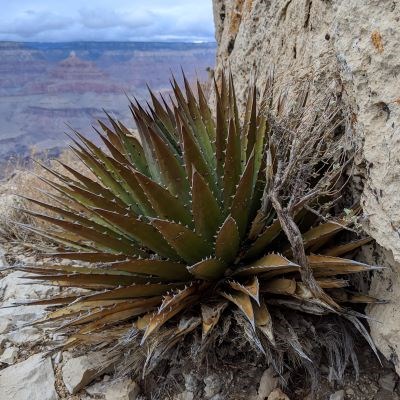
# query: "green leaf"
x,y
227,241
346,248
113,180
134,151
164,203
62,238
208,269
115,153
73,216
198,126
163,268
87,256
93,186
241,204
206,114
195,159
190,246
132,186
221,135
162,115
103,174
172,173
99,240
319,235
205,209
148,150
270,262
141,231
134,291
93,281
264,239
232,165
112,136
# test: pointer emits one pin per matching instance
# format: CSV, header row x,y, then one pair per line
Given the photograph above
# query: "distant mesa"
x,y
74,75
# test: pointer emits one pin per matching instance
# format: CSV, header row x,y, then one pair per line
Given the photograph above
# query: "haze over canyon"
x,y
46,86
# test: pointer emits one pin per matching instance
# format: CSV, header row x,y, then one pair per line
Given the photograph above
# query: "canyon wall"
x,y
353,44
44,86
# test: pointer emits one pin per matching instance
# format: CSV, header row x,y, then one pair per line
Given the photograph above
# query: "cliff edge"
x,y
354,44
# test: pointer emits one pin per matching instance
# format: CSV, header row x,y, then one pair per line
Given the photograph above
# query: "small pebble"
x,y
339,395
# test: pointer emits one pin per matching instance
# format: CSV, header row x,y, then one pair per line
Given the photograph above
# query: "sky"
x,y
105,20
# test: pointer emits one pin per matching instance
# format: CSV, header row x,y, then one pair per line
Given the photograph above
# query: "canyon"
x,y
46,88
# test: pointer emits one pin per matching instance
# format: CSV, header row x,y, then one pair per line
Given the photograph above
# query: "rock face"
x,y
356,44
80,371
31,379
121,389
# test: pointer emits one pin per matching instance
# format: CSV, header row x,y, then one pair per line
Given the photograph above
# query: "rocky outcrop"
x,y
121,389
80,371
30,379
354,44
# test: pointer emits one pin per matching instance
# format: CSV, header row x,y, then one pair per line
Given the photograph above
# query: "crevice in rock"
x,y
308,13
284,11
231,45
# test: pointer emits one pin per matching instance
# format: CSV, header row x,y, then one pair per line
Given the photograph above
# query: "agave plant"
x,y
203,215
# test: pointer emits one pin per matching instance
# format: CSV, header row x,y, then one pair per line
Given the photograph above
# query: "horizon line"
x,y
112,41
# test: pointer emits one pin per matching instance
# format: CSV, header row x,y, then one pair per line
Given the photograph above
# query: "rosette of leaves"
x,y
204,215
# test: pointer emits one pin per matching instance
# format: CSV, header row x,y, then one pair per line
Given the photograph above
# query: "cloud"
x,y
30,23
104,20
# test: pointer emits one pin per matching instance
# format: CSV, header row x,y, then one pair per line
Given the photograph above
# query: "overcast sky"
x,y
103,20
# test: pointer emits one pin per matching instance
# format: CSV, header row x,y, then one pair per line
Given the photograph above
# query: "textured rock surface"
x,y
31,379
9,355
268,383
80,371
15,288
277,394
356,44
119,389
339,395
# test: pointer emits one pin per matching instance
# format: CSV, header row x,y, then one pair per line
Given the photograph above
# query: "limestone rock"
x,y
119,389
212,386
3,261
353,46
5,325
80,371
15,287
339,395
186,395
8,215
268,383
9,355
31,379
277,394
24,336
